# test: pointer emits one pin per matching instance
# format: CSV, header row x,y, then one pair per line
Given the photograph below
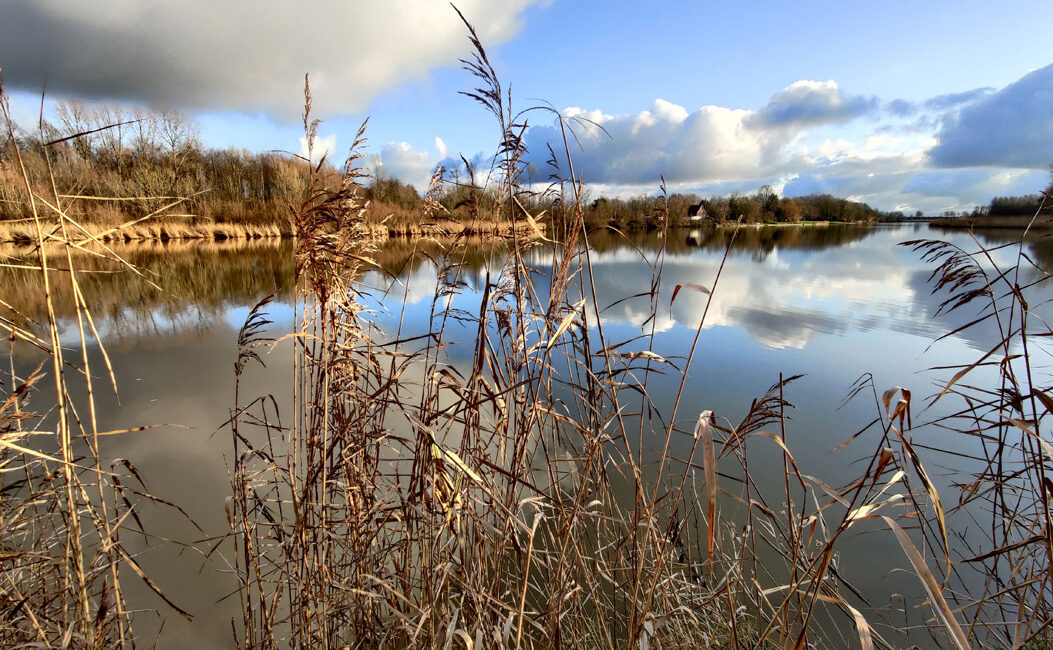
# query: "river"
x,y
831,304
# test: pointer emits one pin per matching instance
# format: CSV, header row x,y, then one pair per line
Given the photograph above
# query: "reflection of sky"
x,y
831,312
188,318
831,308
785,298
781,297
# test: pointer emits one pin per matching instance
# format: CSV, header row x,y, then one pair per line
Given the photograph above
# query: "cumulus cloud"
x,y
716,150
1009,128
811,103
242,55
711,143
401,161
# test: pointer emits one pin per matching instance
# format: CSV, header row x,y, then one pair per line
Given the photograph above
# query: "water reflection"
x,y
180,285
785,285
832,303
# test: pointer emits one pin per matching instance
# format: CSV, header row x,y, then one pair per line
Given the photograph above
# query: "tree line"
x,y
146,159
763,206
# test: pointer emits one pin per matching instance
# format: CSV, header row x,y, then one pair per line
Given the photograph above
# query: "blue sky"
x,y
905,105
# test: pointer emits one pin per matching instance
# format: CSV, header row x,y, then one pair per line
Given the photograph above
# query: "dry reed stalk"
x,y
64,508
410,501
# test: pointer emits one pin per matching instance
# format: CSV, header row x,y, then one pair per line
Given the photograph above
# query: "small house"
x,y
697,212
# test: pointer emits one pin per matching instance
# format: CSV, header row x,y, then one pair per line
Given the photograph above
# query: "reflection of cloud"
x,y
780,327
783,287
782,292
416,287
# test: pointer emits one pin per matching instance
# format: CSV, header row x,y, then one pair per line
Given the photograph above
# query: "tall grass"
x,y
67,514
1009,496
507,501
532,494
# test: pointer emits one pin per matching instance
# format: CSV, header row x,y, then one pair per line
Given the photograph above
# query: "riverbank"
x,y
708,224
24,232
1041,222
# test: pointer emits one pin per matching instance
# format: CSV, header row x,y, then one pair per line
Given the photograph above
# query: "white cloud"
x,y
711,143
322,146
401,161
792,143
242,55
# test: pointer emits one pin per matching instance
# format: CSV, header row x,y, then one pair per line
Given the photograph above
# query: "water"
x,y
829,303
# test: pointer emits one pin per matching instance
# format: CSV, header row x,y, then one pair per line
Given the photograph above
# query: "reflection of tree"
x,y
173,278
758,241
402,255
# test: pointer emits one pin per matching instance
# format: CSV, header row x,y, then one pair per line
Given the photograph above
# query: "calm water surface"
x,y
829,303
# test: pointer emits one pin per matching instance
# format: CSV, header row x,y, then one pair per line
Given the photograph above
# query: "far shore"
x,y
1039,222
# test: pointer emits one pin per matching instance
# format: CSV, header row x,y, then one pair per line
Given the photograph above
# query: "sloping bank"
x,y
24,231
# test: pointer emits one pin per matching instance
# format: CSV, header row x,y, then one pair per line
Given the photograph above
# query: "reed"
x,y
410,501
509,500
68,514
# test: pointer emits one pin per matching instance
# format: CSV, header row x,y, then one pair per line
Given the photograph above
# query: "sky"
x,y
907,106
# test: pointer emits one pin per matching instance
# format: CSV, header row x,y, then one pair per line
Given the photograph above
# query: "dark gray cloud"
x,y
243,55
811,103
1010,128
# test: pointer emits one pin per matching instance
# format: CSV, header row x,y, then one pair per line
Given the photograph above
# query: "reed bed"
x,y
532,494
68,515
1043,221
508,501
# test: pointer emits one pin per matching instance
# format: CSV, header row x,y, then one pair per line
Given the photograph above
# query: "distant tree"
x,y
717,208
788,211
679,205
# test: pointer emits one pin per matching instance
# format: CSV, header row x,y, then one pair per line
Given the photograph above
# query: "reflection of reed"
x,y
172,277
158,230
168,229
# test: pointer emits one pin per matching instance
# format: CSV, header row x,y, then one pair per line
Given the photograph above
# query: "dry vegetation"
x,y
413,502
509,503
67,514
